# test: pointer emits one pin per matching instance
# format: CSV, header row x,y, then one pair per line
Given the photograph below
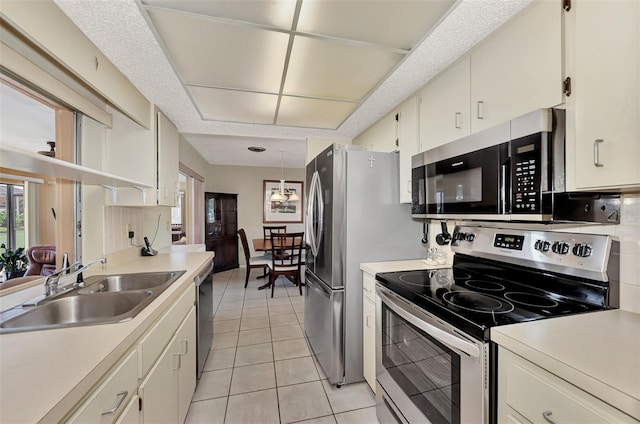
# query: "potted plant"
x,y
13,262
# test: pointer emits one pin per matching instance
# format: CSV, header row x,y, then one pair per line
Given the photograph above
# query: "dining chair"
x,y
286,258
255,261
268,229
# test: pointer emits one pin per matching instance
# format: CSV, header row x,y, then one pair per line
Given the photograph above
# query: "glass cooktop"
x,y
477,294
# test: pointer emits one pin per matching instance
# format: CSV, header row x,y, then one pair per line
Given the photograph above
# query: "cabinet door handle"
x,y
120,397
479,110
596,153
457,120
177,359
184,344
547,416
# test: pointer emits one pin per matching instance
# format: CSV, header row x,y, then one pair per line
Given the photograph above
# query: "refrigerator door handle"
x,y
311,214
319,288
320,200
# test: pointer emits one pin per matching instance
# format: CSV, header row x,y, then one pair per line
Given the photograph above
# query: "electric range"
x,y
435,362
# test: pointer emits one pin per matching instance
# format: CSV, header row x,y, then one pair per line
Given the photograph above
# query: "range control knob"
x,y
560,247
542,245
470,237
582,250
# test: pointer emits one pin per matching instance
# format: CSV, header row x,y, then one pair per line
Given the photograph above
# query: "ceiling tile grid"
x,y
327,50
120,28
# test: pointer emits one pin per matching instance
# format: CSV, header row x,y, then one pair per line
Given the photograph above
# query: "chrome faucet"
x,y
54,282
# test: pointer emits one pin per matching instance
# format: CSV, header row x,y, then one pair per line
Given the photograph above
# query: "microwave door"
x,y
467,185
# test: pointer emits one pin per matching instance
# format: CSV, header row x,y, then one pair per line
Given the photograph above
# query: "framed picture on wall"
x,y
288,210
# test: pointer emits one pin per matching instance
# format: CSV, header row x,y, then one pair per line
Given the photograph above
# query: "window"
x,y
12,216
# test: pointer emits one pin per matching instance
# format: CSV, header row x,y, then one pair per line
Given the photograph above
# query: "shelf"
x,y
22,160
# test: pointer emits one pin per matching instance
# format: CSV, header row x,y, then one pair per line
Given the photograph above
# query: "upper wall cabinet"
x,y
445,106
408,143
130,150
43,23
167,161
603,110
381,136
519,68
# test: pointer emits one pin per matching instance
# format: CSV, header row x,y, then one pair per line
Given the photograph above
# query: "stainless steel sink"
x,y
128,282
106,299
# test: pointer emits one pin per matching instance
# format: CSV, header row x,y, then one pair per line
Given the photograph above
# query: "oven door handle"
x,y
449,339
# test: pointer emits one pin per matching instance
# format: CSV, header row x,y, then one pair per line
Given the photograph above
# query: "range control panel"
x,y
538,249
508,241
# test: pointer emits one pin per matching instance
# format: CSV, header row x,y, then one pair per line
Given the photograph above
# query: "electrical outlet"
x,y
129,228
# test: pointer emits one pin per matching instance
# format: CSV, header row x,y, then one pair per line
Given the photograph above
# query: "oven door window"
x,y
426,371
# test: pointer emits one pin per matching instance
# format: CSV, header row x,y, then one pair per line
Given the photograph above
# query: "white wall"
x,y
247,183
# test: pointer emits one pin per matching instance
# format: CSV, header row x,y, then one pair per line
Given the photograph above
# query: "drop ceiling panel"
x,y
278,14
322,68
315,113
400,23
214,53
234,106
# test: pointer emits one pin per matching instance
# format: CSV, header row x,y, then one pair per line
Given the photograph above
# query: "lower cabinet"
x,y
155,380
529,393
166,392
111,397
369,330
131,414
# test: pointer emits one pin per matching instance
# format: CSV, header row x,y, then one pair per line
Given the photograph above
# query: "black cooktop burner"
x,y
478,302
530,299
477,294
484,285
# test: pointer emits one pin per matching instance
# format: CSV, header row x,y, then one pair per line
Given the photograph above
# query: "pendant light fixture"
x,y
282,195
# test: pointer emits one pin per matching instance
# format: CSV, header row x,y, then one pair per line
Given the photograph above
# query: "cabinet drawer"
x,y
369,286
153,343
111,397
542,397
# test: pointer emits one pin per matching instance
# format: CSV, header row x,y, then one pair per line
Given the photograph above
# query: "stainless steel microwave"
x,y
511,172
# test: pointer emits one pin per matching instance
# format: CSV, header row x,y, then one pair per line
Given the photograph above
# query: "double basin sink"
x,y
104,299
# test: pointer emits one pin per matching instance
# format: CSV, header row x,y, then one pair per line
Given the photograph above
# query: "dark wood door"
x,y
221,226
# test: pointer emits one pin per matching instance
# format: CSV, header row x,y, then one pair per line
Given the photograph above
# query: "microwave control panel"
x,y
526,175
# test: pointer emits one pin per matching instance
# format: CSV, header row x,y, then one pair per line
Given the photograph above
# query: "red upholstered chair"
x,y
42,260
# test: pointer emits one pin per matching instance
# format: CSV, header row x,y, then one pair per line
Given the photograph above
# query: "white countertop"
x,y
392,266
598,352
44,374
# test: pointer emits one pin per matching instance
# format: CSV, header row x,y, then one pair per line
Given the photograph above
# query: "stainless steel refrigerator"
x,y
353,215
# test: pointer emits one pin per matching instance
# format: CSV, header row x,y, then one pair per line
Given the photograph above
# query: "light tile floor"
x,y
260,368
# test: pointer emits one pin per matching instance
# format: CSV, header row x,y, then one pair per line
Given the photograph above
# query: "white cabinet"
x,y
381,136
187,370
167,135
603,111
519,68
167,390
445,106
156,380
369,329
130,151
110,398
527,392
131,414
408,144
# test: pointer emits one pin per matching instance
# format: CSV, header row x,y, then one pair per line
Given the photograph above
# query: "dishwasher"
x,y
204,315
